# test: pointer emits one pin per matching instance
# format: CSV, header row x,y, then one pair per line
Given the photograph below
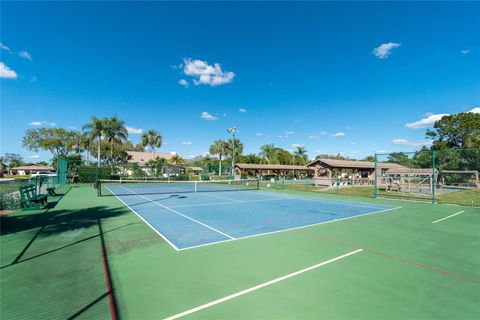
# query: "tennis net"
x,y
145,187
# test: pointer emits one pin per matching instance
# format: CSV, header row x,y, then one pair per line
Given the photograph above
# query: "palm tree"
x,y
176,159
301,155
115,130
229,147
95,129
268,152
152,139
218,148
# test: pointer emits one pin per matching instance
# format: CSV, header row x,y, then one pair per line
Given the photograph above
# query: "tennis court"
x,y
295,255
192,214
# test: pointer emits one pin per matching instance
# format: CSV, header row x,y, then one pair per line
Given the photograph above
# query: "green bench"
x,y
30,199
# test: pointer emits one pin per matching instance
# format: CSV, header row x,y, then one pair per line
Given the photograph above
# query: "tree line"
x,y
106,139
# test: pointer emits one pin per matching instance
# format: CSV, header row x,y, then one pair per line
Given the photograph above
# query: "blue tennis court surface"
x,y
187,220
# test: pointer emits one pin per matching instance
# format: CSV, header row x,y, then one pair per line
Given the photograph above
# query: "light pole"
x,y
232,130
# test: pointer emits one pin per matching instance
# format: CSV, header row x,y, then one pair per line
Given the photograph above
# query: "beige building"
x,y
31,169
324,171
141,158
328,169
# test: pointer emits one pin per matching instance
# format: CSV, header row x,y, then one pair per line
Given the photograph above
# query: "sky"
x,y
334,77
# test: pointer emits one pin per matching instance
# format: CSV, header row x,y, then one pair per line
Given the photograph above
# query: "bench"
x,y
51,192
30,199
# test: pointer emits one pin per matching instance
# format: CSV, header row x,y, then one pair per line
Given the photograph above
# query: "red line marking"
x,y
406,261
111,302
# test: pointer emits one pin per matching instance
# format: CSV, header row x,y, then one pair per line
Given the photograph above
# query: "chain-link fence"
x,y
439,176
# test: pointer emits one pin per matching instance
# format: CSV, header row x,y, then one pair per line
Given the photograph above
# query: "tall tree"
x,y
152,139
456,131
218,148
234,144
400,158
301,155
58,141
176,159
96,129
268,153
115,131
12,160
369,158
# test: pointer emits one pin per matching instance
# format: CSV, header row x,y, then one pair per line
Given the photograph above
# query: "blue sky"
x,y
351,78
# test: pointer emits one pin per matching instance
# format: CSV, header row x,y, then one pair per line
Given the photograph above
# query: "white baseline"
x,y
265,284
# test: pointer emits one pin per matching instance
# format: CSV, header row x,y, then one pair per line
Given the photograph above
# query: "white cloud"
x,y
259,134
338,134
465,51
242,110
385,49
289,132
134,130
282,136
296,145
4,47
184,83
6,72
25,54
207,116
43,123
203,73
322,133
35,156
186,142
428,121
416,143
313,137
352,143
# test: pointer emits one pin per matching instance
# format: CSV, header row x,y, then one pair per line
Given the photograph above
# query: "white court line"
x,y
260,286
218,197
290,229
148,224
324,200
230,202
181,214
453,215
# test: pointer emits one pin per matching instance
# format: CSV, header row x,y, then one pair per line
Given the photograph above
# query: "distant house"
x,y
30,169
195,170
142,158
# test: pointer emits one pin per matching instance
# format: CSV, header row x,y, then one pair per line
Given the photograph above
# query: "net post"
x,y
433,176
98,186
196,186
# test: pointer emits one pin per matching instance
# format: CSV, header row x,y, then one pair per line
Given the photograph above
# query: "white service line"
x,y
230,202
217,197
148,224
453,215
265,284
290,229
180,214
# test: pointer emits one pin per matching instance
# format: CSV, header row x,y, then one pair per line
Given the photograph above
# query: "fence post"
x,y
375,188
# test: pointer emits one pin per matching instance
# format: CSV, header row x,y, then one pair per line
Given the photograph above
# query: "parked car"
x,y
43,174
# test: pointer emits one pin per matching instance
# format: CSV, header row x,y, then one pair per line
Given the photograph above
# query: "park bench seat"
x,y
30,199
